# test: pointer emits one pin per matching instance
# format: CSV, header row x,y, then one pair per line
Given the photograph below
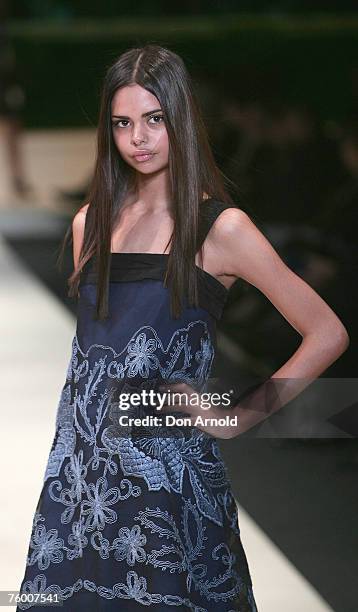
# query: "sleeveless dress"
x,y
125,522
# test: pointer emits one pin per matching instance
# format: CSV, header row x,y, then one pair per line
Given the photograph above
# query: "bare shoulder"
x,y
230,224
84,208
78,227
229,221
80,218
78,223
239,244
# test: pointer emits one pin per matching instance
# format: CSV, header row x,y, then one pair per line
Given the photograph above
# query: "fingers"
x,y
177,395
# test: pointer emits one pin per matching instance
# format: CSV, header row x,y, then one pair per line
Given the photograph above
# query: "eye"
x,y
157,117
116,123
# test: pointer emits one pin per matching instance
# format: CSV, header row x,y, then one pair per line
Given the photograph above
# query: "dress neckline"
x,y
207,274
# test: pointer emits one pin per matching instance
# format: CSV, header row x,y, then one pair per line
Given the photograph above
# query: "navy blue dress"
x,y
124,521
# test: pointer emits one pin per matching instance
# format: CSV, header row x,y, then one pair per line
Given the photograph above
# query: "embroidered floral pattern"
x,y
46,546
140,358
186,518
129,545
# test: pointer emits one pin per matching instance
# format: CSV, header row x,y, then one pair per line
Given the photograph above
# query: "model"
x,y
128,521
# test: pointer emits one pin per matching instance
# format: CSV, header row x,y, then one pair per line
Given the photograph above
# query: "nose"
x,y
138,135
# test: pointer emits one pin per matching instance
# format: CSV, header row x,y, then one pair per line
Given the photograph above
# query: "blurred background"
x,y
278,84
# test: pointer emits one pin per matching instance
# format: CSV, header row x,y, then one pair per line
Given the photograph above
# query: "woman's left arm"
x,y
246,253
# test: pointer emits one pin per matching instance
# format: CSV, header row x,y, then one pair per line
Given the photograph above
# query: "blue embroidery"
x,y
46,545
135,588
138,357
95,469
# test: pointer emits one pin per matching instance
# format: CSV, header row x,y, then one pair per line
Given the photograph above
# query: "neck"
x,y
152,191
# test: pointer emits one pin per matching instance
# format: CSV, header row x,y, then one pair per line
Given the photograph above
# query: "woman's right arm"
x,y
78,228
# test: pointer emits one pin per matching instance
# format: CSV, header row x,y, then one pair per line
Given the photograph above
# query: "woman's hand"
x,y
216,420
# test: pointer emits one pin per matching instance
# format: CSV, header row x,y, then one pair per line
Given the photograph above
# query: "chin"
x,y
149,168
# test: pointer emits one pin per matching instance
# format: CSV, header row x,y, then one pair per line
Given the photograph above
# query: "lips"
x,y
143,156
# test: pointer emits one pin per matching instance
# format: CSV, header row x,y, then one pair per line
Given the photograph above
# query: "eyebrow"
x,y
156,110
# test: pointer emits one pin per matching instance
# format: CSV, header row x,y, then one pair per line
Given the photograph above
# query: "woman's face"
x,y
138,129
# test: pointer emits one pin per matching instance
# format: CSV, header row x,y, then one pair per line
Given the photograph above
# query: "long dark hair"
x,y
192,171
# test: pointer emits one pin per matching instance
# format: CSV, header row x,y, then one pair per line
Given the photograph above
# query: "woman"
x,y
128,519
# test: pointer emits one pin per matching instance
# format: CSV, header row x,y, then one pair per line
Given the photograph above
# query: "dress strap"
x,y
210,209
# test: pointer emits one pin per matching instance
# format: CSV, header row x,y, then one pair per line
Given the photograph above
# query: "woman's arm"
x,y
246,253
78,228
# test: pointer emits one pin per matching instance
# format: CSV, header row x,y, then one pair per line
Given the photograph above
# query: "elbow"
x,y
343,339
340,339
332,339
